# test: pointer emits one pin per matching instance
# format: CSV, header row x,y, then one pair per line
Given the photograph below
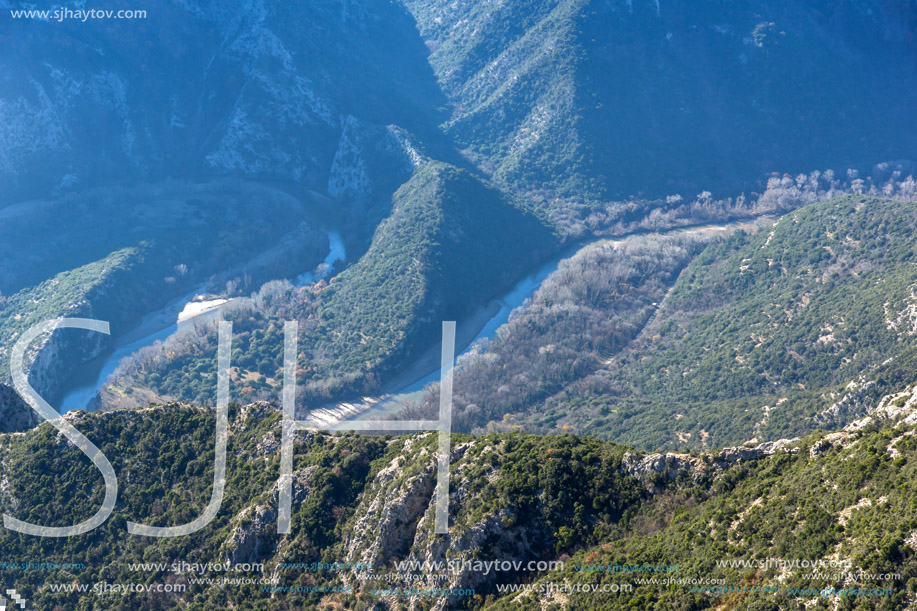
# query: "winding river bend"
x,y
83,386
405,389
410,386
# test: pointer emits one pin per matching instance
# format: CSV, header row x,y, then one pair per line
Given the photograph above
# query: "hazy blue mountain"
x,y
583,99
678,226
262,89
599,99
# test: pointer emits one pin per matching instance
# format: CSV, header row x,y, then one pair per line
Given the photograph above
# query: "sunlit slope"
x,y
769,335
608,98
845,497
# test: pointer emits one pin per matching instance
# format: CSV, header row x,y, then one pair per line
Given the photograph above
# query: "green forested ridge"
x,y
164,456
762,333
765,334
76,293
846,496
450,243
164,460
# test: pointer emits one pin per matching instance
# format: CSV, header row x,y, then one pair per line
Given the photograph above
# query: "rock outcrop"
x,y
391,508
256,525
895,407
658,469
15,414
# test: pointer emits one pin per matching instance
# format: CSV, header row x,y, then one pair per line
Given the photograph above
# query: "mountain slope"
x,y
579,99
829,522
607,98
841,502
358,500
763,334
233,87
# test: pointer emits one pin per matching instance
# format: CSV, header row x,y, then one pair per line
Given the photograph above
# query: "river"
x,y
409,387
83,385
404,389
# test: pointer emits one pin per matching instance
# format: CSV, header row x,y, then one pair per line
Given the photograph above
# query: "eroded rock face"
x,y
499,532
731,456
657,469
854,402
58,350
15,414
668,466
823,445
898,407
257,524
394,523
396,517
390,510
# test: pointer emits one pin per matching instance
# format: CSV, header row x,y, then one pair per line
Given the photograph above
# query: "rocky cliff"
x,y
15,414
240,87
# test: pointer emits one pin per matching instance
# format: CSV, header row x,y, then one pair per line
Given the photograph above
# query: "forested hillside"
x,y
591,100
362,504
596,303
765,334
71,294
436,257
828,522
451,243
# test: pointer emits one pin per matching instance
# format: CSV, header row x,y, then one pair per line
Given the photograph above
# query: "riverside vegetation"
x,y
155,249
760,335
724,295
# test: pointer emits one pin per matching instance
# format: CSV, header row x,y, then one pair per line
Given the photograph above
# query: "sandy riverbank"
x,y
428,362
196,308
